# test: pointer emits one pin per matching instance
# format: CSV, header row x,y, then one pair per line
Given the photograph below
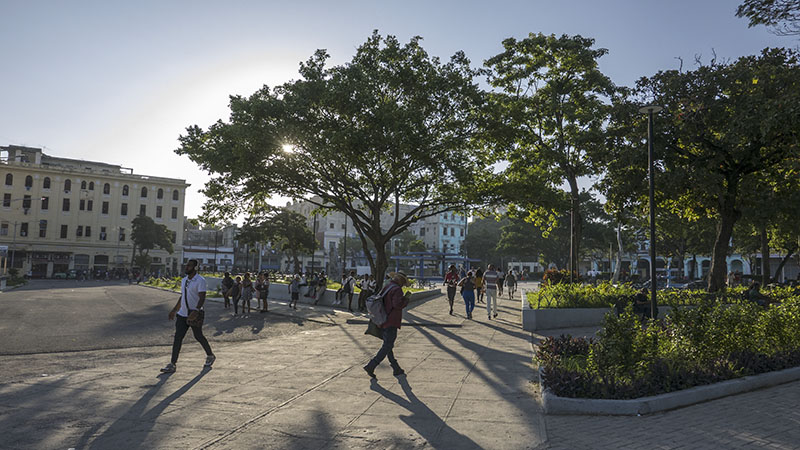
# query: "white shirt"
x,y
192,287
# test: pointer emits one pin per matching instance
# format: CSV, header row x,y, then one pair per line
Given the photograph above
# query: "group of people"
x,y
477,285
244,289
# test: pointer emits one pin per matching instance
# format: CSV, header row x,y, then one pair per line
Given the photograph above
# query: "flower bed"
x,y
690,347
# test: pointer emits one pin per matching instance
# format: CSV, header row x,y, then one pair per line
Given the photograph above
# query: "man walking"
x,y
393,302
227,284
193,295
490,280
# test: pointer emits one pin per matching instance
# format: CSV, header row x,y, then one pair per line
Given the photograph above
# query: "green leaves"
x,y
147,235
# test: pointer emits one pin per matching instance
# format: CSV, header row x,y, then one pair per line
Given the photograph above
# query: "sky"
x,y
119,82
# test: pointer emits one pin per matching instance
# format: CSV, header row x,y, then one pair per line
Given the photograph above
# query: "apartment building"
x,y
442,233
59,214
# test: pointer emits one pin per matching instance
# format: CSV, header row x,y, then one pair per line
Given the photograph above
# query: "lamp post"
x,y
650,110
344,253
314,250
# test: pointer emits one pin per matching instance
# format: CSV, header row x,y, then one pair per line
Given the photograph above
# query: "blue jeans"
x,y
469,300
389,336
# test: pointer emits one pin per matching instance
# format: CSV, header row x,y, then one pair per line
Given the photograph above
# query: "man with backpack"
x,y
393,303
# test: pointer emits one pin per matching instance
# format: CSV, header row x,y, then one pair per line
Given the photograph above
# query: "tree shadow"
x,y
422,419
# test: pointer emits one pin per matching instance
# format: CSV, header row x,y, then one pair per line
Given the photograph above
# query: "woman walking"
x,y
511,284
247,294
451,281
479,286
262,286
236,294
363,284
468,292
294,291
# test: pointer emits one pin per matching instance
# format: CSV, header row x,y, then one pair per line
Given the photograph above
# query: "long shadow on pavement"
x,y
137,418
422,419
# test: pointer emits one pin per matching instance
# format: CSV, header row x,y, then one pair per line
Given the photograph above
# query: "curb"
x,y
554,404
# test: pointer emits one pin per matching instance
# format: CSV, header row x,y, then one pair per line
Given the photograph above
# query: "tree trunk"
x,y
693,273
728,217
296,260
381,263
784,261
765,271
618,268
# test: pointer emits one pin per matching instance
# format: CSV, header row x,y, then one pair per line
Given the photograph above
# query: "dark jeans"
x,y
389,336
469,300
451,295
235,301
181,327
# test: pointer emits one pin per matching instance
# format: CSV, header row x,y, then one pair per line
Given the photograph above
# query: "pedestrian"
x,y
451,281
188,307
501,281
363,284
227,284
322,286
511,283
349,287
468,292
294,291
262,286
247,294
479,286
393,302
337,297
491,279
312,285
236,294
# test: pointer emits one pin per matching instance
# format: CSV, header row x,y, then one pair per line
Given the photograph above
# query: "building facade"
x,y
59,215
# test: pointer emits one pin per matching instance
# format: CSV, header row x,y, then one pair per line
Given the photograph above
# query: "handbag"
x,y
374,330
199,317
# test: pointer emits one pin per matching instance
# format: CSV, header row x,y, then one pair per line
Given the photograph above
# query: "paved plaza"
x,y
469,384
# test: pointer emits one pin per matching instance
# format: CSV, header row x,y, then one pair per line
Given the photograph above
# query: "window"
x,y
106,189
46,183
42,228
422,231
83,185
175,195
174,213
142,210
158,212
6,200
79,231
344,226
23,229
462,232
125,190
102,233
123,210
174,236
82,204
63,231
104,209
65,205
144,192
4,229
332,226
28,182
88,231
160,194
45,203
122,234
67,186
452,231
89,204
9,179
26,202
91,185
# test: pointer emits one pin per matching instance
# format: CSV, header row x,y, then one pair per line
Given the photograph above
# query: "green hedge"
x,y
606,295
690,347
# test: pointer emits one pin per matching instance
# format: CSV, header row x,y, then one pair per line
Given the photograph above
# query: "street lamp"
x,y
650,110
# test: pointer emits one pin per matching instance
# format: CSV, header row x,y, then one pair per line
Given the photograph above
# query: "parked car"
x,y
60,276
72,274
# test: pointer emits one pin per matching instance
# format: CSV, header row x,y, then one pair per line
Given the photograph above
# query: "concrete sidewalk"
x,y
468,385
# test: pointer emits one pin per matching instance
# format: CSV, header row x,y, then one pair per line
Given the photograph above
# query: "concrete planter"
x,y
554,404
548,319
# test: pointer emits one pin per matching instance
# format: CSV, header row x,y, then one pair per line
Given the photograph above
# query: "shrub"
x,y
554,276
712,342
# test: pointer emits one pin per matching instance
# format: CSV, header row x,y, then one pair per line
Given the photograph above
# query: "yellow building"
x,y
61,215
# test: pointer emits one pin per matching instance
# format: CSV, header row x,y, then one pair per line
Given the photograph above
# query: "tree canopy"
x,y
782,15
286,230
392,126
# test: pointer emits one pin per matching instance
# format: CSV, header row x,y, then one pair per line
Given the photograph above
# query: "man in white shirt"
x,y
193,295
490,278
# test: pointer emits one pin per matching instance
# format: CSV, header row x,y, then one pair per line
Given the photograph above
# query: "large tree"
x,y
286,230
725,124
550,106
391,127
782,15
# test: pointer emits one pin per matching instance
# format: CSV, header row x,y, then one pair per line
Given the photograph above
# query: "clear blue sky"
x,y
119,81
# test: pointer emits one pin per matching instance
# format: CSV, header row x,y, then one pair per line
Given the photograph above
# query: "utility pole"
x,y
314,251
